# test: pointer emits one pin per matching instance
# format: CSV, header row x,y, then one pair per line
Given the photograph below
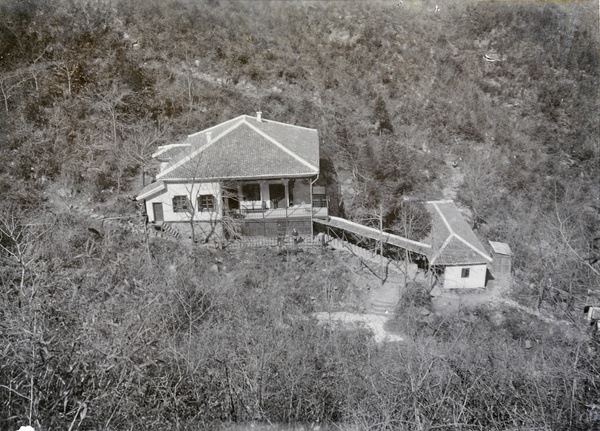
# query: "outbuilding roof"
x,y
245,147
500,248
452,240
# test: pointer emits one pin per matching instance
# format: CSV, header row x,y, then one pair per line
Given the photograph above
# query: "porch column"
x,y
240,198
220,204
263,194
287,192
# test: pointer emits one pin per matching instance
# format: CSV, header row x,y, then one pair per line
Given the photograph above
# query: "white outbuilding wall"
x,y
454,276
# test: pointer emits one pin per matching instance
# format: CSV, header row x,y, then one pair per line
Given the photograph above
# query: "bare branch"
x,y
561,230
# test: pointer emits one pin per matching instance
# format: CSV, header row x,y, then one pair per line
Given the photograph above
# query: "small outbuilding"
x,y
451,251
592,312
456,254
501,260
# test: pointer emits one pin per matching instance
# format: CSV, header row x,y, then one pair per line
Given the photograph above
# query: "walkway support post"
x,y
381,241
312,209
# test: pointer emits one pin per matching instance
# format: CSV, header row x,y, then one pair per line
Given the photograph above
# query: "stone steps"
x,y
383,306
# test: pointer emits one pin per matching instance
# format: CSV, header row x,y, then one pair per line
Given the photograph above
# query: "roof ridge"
x,y
286,124
198,151
249,177
444,245
468,244
164,148
216,125
446,223
280,146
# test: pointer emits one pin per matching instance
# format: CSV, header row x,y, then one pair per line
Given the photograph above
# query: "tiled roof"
x,y
452,239
150,189
247,148
166,152
295,138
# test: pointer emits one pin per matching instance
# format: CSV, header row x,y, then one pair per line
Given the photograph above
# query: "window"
x,y
319,201
181,204
251,192
206,203
465,272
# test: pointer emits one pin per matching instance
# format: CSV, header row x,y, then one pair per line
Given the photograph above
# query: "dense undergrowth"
x,y
107,331
188,338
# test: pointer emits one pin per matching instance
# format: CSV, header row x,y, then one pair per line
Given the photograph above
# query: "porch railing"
x,y
295,211
262,241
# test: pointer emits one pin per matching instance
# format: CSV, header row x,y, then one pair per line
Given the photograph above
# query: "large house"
x,y
258,172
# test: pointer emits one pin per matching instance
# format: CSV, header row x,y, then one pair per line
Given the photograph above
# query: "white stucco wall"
x,y
453,277
191,191
301,194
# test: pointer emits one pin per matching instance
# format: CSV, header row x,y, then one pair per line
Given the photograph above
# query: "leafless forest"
x,y
103,327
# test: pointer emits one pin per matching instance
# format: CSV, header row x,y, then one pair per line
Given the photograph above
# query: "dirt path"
x,y
374,322
379,302
451,188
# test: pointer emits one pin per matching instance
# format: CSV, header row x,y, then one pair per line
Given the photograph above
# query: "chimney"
x,y
259,116
208,137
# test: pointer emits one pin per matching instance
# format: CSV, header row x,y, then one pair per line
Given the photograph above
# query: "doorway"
x,y
157,209
230,198
277,194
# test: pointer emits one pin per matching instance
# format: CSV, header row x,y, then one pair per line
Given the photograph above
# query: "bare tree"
x,y
18,241
9,83
111,111
141,143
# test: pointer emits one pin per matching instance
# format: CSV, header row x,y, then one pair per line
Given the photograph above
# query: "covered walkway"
x,y
375,234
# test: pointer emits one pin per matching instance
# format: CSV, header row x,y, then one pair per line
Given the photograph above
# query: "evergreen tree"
x,y
382,116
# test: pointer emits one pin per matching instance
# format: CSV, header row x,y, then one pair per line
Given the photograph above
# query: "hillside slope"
x,y
100,327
